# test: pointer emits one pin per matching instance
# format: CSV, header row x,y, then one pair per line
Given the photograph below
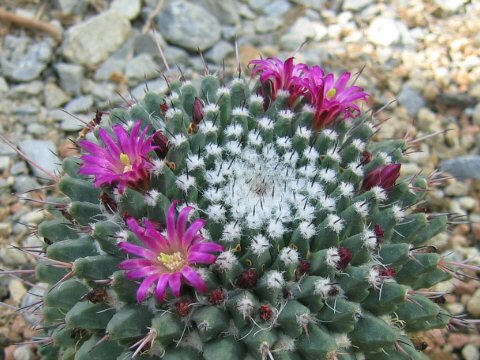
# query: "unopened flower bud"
x,y
383,176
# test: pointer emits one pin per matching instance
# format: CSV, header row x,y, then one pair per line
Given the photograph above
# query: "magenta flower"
x,y
122,161
167,260
332,98
277,75
383,176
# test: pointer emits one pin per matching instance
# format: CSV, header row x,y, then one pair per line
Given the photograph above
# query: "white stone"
x,y
128,8
92,41
384,31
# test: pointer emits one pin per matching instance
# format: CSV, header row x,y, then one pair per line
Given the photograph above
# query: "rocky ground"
x,y
99,53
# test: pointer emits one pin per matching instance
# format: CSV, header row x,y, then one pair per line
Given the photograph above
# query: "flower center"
x,y
331,93
126,162
173,262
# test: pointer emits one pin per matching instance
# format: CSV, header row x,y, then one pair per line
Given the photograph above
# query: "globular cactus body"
x,y
231,222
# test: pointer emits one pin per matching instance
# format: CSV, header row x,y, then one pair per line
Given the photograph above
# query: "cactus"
x,y
254,220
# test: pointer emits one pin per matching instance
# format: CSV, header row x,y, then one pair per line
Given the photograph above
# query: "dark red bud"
x,y
162,144
366,157
383,176
183,307
164,107
109,203
197,113
216,297
333,291
345,257
247,279
379,233
266,312
303,268
387,272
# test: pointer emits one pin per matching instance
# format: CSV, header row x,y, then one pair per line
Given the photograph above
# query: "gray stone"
x,y
24,183
194,27
5,229
470,352
462,167
302,30
356,5
6,150
37,129
268,24
176,55
128,8
225,11
258,5
71,77
473,305
32,298
277,8
141,67
411,99
54,96
13,257
450,5
157,86
80,104
3,85
23,352
245,12
104,91
384,31
22,61
31,88
71,7
18,168
42,152
108,68
314,4
219,52
92,41
74,123
4,162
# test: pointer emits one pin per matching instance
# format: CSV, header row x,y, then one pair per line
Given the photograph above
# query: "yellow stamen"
x,y
173,262
331,93
125,161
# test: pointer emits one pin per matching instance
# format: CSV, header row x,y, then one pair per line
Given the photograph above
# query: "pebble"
x,y
456,189
473,305
384,31
17,290
4,162
37,129
158,85
5,229
219,52
71,77
303,30
194,28
31,88
53,96
24,352
128,8
356,5
468,203
109,68
71,7
92,41
140,68
33,217
24,183
226,11
3,85
470,352
74,123
411,99
462,167
277,8
24,61
42,152
30,298
267,24
80,104
450,5
13,257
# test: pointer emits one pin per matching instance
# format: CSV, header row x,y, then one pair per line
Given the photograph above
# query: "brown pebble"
x,y
458,340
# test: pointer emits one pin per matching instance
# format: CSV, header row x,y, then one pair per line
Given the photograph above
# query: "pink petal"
x,y
131,264
200,257
137,250
207,247
143,235
144,287
161,287
174,282
193,229
182,221
194,279
142,272
172,236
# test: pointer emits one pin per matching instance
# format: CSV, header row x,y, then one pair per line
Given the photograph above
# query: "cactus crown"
x,y
295,237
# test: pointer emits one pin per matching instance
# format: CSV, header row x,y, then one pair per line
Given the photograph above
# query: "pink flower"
x,y
277,75
383,176
122,160
167,259
332,98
